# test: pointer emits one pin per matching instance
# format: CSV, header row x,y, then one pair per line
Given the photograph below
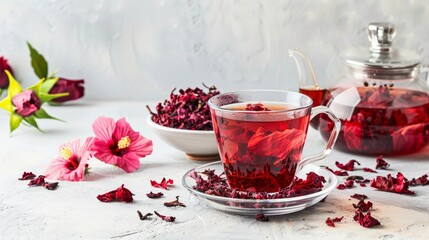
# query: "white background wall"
x,y
138,49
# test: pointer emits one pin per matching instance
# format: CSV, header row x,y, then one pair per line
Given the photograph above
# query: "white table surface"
x,y
73,211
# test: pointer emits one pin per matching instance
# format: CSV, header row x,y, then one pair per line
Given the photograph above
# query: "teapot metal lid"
x,y
382,61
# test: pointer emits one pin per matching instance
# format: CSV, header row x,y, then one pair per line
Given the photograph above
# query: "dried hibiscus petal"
x,y
186,110
120,194
349,166
262,218
174,203
365,169
165,218
154,195
39,181
381,163
337,172
423,180
341,186
366,220
362,205
51,186
163,184
359,196
143,217
349,183
27,176
331,222
390,184
256,107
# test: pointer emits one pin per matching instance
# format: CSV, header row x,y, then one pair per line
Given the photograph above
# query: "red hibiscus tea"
x,y
261,134
385,121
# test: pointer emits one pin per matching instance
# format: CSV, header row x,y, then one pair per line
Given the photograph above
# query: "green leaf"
x,y
48,84
6,104
40,66
41,113
14,87
45,97
15,121
36,87
32,121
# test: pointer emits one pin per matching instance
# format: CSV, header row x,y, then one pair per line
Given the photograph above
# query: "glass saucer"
x,y
269,207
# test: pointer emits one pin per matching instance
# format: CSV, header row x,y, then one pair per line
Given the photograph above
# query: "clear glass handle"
x,y
332,138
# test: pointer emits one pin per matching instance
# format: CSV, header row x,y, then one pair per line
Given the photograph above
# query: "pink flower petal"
x,y
122,129
103,153
103,128
129,162
142,147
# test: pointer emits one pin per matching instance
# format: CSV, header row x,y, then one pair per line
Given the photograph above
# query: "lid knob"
x,y
381,35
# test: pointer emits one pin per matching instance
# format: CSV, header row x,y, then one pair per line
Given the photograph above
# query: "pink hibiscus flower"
x,y
70,165
118,144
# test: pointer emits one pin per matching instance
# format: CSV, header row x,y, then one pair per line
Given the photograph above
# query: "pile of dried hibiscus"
x,y
186,110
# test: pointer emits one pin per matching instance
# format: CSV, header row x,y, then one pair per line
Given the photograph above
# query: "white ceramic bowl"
x,y
197,144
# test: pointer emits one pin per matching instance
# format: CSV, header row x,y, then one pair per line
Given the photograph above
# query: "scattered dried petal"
x,y
331,222
165,218
362,205
27,176
359,196
362,184
337,172
390,184
120,194
341,186
366,220
349,166
423,180
365,169
349,183
262,218
163,184
354,177
39,181
174,203
143,217
154,195
381,163
51,186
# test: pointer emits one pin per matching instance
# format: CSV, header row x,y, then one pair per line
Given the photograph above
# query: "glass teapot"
x,y
382,102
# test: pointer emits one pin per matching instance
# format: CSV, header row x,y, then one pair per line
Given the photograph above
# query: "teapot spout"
x,y
307,78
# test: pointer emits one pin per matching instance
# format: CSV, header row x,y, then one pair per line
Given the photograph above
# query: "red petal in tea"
x,y
409,138
366,220
365,169
120,194
362,205
143,217
359,196
353,134
163,184
349,166
256,107
165,218
278,144
381,163
39,181
51,186
174,203
262,218
154,195
423,180
390,184
337,172
27,176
